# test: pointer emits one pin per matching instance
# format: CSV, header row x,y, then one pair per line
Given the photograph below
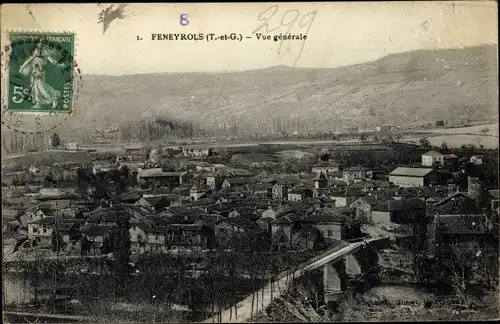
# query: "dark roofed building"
x,y
404,211
234,182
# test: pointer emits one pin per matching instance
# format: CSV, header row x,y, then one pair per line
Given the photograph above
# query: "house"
x,y
197,151
493,200
299,194
270,212
237,182
33,169
320,181
226,228
337,223
422,193
433,158
266,224
146,238
280,191
155,202
356,173
198,191
129,197
40,230
159,177
404,211
72,146
352,130
204,166
363,207
384,128
214,181
326,168
283,227
455,219
244,211
194,236
344,197
69,229
262,190
94,235
414,177
39,211
477,159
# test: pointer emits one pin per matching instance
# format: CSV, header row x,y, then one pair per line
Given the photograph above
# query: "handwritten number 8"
x,y
184,20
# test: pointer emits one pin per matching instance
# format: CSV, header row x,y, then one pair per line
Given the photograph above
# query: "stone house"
x,y
477,159
337,223
236,182
326,168
158,177
40,230
414,177
270,212
403,211
345,197
456,219
433,158
356,173
363,206
199,191
95,234
214,181
320,181
299,194
146,238
262,190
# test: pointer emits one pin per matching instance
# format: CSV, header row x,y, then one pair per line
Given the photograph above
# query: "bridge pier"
x,y
337,274
334,280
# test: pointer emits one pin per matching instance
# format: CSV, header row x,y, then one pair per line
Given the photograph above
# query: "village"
x,y
177,200
198,199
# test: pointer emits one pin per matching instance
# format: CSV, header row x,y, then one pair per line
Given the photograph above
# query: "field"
x,y
487,129
486,135
23,161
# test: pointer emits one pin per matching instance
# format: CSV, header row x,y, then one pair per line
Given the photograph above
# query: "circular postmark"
x,y
42,81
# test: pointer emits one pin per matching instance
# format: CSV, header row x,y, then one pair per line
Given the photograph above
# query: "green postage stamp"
x,y
40,75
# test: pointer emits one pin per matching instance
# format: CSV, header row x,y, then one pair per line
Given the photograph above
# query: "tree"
x,y
57,241
463,265
444,147
424,141
55,141
363,138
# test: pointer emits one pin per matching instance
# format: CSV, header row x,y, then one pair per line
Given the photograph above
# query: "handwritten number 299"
x,y
266,16
184,20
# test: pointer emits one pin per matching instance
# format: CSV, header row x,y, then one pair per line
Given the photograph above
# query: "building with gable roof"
x,y
414,177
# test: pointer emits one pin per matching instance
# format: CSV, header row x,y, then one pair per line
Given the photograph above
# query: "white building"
x,y
196,151
432,158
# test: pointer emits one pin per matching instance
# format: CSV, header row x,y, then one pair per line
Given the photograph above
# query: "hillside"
x,y
407,88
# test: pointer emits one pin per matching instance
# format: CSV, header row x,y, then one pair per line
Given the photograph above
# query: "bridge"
x,y
338,267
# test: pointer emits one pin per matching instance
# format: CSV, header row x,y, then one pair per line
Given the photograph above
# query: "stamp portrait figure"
x,y
41,67
34,67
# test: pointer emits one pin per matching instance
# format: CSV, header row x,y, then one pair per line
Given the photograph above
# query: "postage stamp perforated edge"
x,y
6,71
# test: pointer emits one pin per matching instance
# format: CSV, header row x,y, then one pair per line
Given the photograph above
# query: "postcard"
x,y
250,162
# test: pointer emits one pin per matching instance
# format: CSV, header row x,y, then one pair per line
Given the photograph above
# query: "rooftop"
x,y
157,172
409,204
432,153
411,172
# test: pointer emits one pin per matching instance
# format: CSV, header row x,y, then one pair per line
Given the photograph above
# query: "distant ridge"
x,y
413,87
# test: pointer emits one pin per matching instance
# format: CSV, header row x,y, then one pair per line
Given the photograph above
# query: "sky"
x,y
340,34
